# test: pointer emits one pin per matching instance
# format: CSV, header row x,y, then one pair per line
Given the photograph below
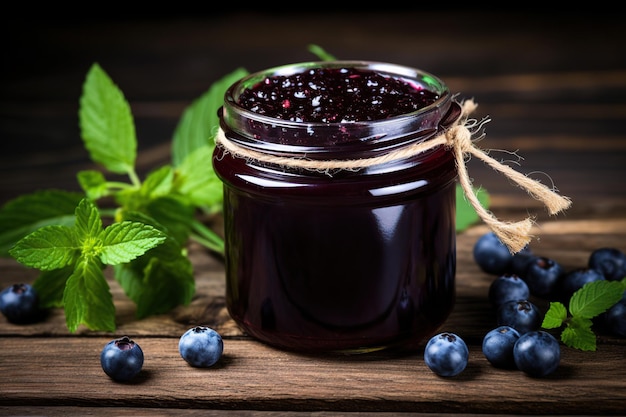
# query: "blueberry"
x,y
542,276
522,315
121,359
446,354
491,255
537,353
20,304
507,287
614,319
521,261
498,346
201,346
611,262
574,280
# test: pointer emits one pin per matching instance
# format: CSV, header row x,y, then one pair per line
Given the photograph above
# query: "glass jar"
x,y
339,260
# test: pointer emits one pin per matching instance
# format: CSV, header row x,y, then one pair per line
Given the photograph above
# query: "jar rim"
x,y
406,73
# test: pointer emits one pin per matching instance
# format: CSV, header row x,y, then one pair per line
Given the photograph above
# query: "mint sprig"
x,y
593,299
168,201
107,125
80,252
29,212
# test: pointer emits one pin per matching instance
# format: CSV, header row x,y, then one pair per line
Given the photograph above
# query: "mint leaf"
x,y
555,316
50,286
175,216
87,299
106,123
125,241
29,212
120,242
159,281
197,182
578,334
199,122
48,248
466,216
169,283
208,238
170,248
77,254
88,226
320,53
158,183
595,298
93,183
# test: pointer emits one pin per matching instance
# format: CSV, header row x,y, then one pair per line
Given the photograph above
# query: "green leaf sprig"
x,y
151,220
593,299
81,251
58,232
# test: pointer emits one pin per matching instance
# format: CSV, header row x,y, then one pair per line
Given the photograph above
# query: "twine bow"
x,y
515,235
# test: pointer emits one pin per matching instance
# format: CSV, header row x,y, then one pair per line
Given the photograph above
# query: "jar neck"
x,y
341,141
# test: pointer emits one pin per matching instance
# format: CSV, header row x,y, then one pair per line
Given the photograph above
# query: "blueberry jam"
x,y
335,95
346,261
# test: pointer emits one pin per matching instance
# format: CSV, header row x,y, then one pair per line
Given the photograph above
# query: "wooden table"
x,y
555,89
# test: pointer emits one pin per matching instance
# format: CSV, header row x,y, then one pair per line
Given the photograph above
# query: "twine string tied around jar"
x,y
459,138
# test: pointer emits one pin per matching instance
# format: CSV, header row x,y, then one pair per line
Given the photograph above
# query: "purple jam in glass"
x,y
335,95
338,260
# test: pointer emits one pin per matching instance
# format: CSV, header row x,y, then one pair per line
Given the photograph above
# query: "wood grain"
x,y
44,365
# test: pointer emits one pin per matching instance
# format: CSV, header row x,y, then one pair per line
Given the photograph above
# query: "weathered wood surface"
x,y
43,365
555,89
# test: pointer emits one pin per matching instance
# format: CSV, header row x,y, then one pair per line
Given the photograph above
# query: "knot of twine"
x,y
515,235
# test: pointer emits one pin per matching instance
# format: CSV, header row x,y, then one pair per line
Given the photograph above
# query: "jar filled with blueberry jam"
x,y
332,245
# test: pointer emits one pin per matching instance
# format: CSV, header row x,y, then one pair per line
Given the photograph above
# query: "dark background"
x,y
518,66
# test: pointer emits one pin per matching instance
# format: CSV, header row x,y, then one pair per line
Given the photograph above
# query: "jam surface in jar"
x,y
344,260
335,95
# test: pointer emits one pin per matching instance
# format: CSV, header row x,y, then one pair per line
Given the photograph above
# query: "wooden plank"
x,y
64,411
64,370
55,371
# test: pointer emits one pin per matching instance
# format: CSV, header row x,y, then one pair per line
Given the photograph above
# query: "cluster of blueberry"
x,y
524,274
200,347
537,353
518,341
122,358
